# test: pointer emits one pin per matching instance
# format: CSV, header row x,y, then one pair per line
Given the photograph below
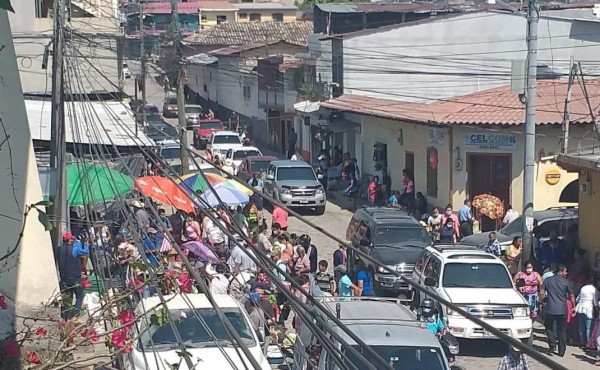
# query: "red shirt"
x,y
373,188
280,216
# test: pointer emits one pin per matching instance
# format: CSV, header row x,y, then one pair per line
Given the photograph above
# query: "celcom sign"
x,y
491,141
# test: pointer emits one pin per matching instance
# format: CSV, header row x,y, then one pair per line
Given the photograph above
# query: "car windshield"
x,y
152,109
162,132
398,358
401,235
476,275
171,153
197,333
295,173
172,101
211,125
241,154
227,139
193,110
258,166
514,227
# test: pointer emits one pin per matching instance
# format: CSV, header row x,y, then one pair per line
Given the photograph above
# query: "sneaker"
x,y
597,363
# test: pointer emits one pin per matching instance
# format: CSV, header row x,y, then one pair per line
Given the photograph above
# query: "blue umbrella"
x,y
221,194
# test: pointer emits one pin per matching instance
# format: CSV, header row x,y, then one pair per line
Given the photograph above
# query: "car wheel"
x,y
320,210
527,341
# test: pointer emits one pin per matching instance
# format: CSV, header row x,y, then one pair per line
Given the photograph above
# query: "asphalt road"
x,y
474,355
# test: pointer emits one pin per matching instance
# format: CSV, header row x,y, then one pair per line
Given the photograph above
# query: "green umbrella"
x,y
95,184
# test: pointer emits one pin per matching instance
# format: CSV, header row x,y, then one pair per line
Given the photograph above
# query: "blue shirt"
x,y
149,245
344,286
80,249
393,201
367,283
464,213
260,182
435,326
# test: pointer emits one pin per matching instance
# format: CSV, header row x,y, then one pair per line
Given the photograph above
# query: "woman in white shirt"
x,y
586,301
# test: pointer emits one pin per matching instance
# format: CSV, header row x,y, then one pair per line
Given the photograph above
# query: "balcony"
x,y
271,99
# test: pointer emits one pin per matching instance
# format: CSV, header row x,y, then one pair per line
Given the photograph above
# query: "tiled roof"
x,y
497,106
230,34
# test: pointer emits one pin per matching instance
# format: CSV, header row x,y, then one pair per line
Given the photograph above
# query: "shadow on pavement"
x,y
483,348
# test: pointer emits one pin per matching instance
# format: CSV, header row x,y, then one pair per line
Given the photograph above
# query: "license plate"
x,y
487,334
304,202
387,285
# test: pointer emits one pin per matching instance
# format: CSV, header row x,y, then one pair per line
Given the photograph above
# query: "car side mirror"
x,y
431,282
364,243
270,177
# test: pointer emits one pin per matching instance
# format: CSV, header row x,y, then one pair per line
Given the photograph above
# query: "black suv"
x,y
391,237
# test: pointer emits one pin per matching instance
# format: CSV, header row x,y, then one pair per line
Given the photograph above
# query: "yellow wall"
x,y
452,184
266,15
588,215
211,17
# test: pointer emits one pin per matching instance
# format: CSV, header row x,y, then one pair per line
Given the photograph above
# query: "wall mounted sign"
x,y
552,176
487,141
435,136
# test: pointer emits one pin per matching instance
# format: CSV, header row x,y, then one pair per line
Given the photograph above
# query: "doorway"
x,y
489,174
409,161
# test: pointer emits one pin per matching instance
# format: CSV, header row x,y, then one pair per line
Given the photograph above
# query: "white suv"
x,y
477,282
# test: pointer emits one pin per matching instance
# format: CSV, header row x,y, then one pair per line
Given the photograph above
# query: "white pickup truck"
x,y
221,141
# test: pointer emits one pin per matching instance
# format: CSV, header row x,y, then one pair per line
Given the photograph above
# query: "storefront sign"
x,y
491,141
552,176
435,136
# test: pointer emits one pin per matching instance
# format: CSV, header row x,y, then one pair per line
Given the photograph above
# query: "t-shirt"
x,y
280,216
323,280
219,284
263,242
344,286
239,257
557,290
367,283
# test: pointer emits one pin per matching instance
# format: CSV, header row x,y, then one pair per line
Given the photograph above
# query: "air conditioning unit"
x,y
585,187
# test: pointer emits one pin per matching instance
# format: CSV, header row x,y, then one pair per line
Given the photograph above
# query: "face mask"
x,y
163,217
449,226
529,271
448,213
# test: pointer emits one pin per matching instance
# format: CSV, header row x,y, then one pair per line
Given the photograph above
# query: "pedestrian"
x,y
218,281
531,284
151,247
302,263
345,286
493,246
514,360
68,256
192,229
352,189
447,233
325,280
292,140
297,156
364,280
465,219
556,290
510,216
280,216
449,213
262,240
407,199
587,302
513,254
374,190
434,222
141,215
340,258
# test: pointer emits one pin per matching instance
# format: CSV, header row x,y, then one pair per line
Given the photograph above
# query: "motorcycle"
x,y
450,345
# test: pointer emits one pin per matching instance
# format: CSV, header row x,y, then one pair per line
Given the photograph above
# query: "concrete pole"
x,y
567,110
529,152
142,67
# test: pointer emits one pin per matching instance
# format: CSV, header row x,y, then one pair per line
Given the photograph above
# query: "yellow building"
x,y
266,12
216,12
585,165
462,147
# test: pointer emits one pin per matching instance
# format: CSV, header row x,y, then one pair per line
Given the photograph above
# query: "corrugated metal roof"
x,y
337,8
265,6
201,59
497,106
230,34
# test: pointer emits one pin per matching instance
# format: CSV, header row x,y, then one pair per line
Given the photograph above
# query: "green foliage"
x,y
5,4
45,220
160,318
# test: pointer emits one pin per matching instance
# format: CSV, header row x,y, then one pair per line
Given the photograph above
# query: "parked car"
x,y
221,141
295,184
390,329
192,115
170,151
170,106
200,329
161,131
237,155
391,237
126,71
254,165
204,130
479,283
557,218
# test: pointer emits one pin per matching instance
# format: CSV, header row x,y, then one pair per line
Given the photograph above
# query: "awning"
x,y
339,126
570,194
307,106
588,160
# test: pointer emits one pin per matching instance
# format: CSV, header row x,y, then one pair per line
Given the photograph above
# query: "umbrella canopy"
x,y
165,191
196,181
489,205
229,196
233,184
88,183
202,252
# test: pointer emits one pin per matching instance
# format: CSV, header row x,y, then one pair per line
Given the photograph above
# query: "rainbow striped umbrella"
x,y
197,181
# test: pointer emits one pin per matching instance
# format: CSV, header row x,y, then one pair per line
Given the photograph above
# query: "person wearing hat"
x,y
218,281
151,247
141,215
69,267
345,286
514,360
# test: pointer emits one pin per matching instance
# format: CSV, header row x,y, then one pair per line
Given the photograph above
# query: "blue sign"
x,y
491,141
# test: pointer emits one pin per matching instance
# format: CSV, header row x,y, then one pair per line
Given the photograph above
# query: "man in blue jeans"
x,y
556,290
68,257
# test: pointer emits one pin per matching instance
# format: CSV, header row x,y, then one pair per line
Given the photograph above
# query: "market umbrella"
x,y
233,184
196,181
229,196
202,252
489,205
165,191
89,183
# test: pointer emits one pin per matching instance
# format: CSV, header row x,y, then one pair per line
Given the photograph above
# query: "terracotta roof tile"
x,y
497,106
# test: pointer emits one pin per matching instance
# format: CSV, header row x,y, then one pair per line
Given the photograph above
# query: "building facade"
x,y
266,12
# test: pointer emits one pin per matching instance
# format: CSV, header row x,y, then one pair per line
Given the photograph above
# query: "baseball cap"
x,y
341,268
152,230
67,235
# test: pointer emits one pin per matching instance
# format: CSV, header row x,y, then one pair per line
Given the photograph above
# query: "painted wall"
x,y
451,57
29,277
588,214
209,17
266,15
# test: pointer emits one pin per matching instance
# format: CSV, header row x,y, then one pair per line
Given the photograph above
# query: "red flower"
x,y
119,338
126,318
3,304
34,358
85,283
41,332
91,334
137,284
62,324
11,348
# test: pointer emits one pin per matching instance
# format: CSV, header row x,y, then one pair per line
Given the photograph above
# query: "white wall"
x,y
450,57
29,277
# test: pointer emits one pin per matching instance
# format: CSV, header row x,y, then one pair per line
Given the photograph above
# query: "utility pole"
x,y
185,160
566,116
57,126
142,66
529,150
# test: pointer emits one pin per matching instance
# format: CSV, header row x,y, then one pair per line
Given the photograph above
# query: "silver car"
x,y
192,115
295,184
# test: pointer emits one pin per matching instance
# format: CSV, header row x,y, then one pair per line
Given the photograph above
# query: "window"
x,y
401,235
364,232
246,90
254,17
221,19
243,15
295,173
205,88
277,17
433,269
476,275
400,357
421,261
432,173
203,18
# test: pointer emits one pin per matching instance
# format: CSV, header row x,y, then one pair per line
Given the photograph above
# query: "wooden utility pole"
x,y
142,67
58,210
566,115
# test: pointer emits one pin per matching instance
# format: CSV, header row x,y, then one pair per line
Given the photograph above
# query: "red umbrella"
x,y
165,191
